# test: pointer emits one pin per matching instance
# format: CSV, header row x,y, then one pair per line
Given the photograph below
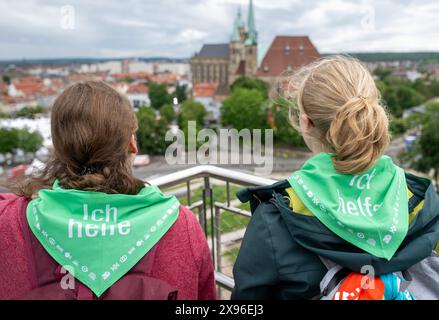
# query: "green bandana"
x,y
99,237
368,210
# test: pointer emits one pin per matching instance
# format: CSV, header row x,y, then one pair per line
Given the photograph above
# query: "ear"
x,y
132,146
306,121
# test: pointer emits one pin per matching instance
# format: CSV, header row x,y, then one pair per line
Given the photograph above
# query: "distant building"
x,y
411,75
223,63
205,93
141,66
180,69
109,66
285,55
420,109
137,94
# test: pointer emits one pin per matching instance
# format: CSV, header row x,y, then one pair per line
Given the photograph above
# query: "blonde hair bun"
x,y
341,99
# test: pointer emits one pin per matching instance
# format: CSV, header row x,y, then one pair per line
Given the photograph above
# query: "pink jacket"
x,y
182,258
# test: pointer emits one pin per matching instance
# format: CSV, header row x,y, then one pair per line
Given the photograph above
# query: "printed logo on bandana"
x,y
98,223
103,236
356,207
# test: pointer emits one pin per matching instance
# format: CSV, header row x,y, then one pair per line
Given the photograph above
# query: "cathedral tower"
x,y
243,47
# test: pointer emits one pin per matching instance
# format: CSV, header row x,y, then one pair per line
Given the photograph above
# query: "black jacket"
x,y
279,259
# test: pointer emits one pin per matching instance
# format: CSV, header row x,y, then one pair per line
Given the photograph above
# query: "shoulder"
x,y
11,206
14,262
185,238
417,185
180,255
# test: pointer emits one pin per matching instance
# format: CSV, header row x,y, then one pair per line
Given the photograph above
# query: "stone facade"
x,y
223,63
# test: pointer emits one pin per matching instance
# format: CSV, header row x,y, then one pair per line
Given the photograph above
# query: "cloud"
x,y
178,28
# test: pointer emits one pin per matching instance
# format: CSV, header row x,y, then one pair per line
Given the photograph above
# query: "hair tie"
x,y
88,169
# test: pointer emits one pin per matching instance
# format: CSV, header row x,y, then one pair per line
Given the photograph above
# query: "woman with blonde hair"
x,y
349,205
86,228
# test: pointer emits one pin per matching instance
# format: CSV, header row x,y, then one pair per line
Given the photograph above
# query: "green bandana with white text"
x,y
368,210
99,237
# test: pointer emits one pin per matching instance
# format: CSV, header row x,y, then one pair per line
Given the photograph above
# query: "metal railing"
x,y
209,209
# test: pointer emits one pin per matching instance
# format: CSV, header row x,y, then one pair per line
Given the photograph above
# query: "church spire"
x,y
237,25
251,26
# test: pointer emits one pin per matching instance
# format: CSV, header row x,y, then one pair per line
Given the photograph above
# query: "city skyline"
x,y
34,29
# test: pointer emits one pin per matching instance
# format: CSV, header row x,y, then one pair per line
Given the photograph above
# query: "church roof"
x,y
220,50
287,53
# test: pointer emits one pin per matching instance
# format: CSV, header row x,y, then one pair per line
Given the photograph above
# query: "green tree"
x,y
12,139
191,111
29,112
399,97
398,126
433,88
382,73
29,141
167,111
283,130
248,83
4,115
245,108
151,132
381,85
409,97
158,95
181,93
390,98
6,79
426,151
8,140
422,87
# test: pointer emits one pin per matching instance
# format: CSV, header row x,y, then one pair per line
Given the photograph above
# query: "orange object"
x,y
356,286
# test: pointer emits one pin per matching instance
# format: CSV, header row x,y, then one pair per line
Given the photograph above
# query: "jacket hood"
x,y
99,237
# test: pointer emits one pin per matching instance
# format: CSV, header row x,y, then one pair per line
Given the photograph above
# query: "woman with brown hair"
x,y
86,214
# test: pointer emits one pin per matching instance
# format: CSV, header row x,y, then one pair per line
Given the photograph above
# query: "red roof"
x,y
287,53
12,100
166,78
138,88
131,75
205,89
3,88
29,88
29,79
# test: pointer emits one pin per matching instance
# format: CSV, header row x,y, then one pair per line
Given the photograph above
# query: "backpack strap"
x,y
256,195
332,279
407,280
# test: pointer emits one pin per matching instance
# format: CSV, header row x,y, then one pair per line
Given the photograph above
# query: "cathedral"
x,y
223,63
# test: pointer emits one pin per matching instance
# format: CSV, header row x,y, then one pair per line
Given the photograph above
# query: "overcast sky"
x,y
178,28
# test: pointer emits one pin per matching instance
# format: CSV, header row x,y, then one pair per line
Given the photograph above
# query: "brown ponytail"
x,y
91,125
339,96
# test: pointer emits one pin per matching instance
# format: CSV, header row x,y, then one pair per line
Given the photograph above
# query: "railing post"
x,y
204,213
189,198
208,189
223,281
218,254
